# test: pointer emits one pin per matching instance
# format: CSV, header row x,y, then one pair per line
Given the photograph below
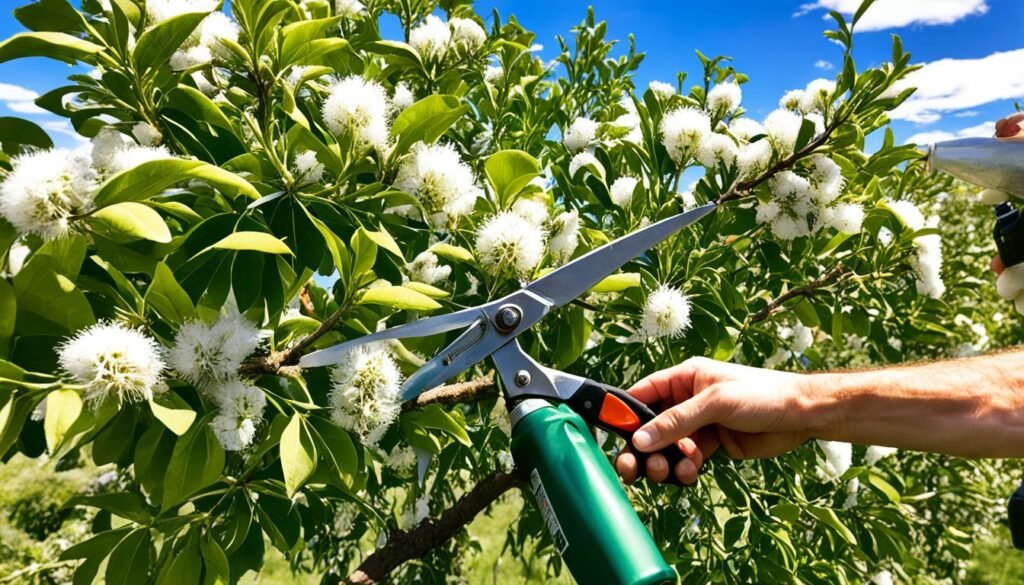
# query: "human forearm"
x,y
968,407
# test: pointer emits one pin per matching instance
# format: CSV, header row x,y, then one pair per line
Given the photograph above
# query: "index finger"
x,y
1009,126
668,385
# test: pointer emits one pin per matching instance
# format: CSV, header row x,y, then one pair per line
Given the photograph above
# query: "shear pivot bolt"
x,y
508,318
522,378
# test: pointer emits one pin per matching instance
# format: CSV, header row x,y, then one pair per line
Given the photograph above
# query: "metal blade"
x,y
419,328
580,275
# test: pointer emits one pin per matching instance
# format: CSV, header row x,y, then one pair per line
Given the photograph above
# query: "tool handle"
x,y
1009,234
616,411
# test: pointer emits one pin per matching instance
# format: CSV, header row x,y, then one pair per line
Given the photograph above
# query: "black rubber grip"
x,y
1009,234
589,401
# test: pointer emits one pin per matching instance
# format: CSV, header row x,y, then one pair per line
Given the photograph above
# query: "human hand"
x,y
750,412
1010,126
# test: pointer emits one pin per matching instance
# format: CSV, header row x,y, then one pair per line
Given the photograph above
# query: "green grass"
x,y
995,561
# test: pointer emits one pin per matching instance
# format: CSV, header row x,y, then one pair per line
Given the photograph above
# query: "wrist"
x,y
824,404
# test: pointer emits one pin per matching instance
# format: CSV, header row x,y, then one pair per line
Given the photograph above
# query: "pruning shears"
x,y
585,508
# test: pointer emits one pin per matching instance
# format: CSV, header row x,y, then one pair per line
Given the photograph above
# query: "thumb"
x,y
682,420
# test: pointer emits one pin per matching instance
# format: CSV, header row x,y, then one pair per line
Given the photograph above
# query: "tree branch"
x,y
472,390
808,290
404,545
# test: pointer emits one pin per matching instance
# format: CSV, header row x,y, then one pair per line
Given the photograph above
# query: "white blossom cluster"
x,y
802,205
666,313
436,40
426,268
444,185
158,11
113,152
366,392
45,190
357,109
795,341
927,260
513,243
661,89
208,356
306,168
349,8
206,43
622,189
838,458
815,98
580,134
112,360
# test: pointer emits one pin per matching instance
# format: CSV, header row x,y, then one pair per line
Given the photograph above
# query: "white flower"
x,y
817,96
426,268
307,168
827,178
431,38
132,156
799,336
206,355
295,74
188,58
580,134
493,74
16,256
583,159
846,218
882,578
565,236
852,488
745,128
662,90
531,210
622,190
791,99
358,108
45,189
403,97
241,410
885,236
349,8
160,10
113,360
467,35
783,128
754,158
875,453
508,243
682,131
927,265
105,145
838,459
724,98
401,458
666,313
715,148
791,205
366,392
908,214
780,357
216,28
444,185
631,123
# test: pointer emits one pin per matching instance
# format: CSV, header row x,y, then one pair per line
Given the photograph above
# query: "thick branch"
x,y
808,290
472,390
405,545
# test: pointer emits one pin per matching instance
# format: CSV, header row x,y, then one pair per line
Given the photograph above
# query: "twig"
x,y
808,290
283,363
404,545
447,395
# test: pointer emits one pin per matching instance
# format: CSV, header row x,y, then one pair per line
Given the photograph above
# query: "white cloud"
x,y
64,127
886,14
823,64
19,99
985,130
967,114
950,85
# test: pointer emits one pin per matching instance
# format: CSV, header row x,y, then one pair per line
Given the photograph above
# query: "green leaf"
x,y
828,517
884,487
254,241
50,15
297,38
435,417
175,413
127,505
130,560
508,172
365,251
194,103
399,297
63,407
55,45
151,178
453,253
49,302
426,121
298,454
431,291
8,310
336,448
158,42
135,220
384,240
167,297
196,463
18,131
617,282
398,51
218,570
184,566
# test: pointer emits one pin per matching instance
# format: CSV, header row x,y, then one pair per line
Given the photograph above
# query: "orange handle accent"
x,y
616,413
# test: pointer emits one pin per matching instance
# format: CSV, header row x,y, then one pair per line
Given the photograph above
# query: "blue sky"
x,y
972,50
